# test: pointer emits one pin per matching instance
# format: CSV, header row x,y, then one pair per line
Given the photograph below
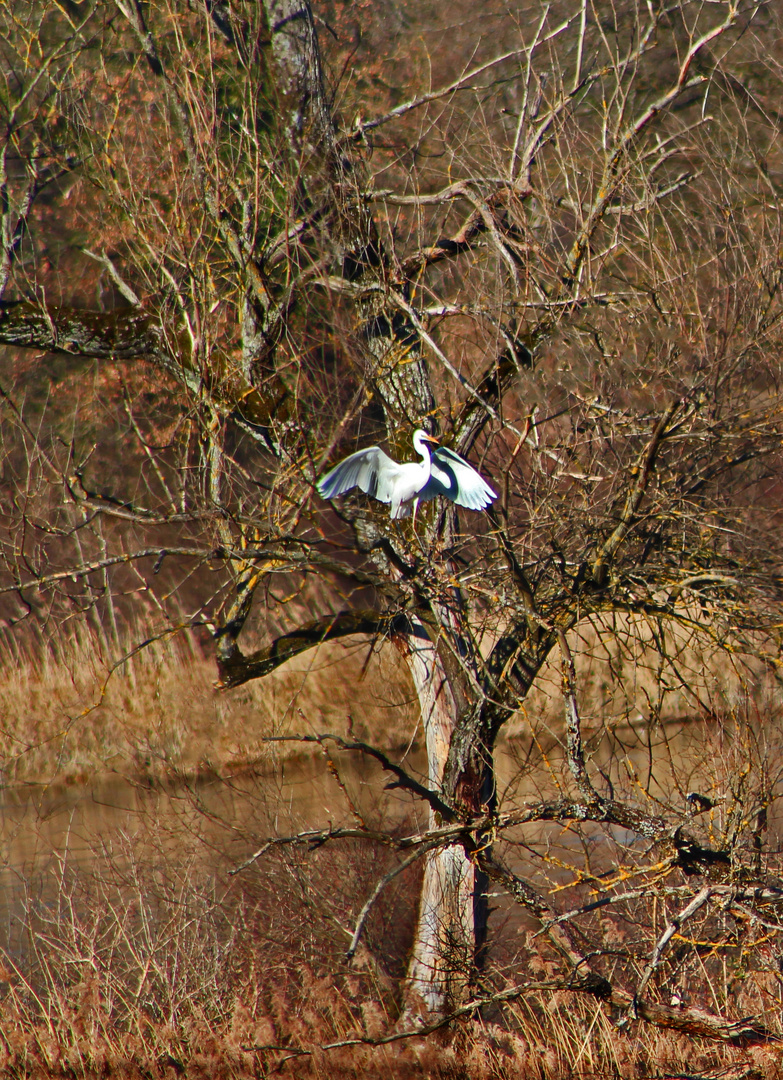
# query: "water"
x,y
115,838
57,838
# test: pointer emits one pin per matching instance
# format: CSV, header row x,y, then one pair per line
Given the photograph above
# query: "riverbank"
x,y
74,709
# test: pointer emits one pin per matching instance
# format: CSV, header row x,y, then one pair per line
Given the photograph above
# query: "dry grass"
x,y
153,967
69,712
151,957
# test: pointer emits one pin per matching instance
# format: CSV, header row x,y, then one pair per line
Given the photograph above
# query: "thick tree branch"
x,y
105,504
158,553
234,668
115,335
135,334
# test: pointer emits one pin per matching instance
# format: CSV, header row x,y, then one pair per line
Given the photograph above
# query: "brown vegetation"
x,y
77,710
154,961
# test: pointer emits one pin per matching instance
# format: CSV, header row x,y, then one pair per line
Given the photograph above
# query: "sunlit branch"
x,y
643,471
673,927
612,169
576,760
403,779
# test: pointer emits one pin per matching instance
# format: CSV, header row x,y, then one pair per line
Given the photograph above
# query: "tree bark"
x,y
445,938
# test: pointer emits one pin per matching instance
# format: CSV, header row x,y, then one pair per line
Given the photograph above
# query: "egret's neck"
x,y
422,449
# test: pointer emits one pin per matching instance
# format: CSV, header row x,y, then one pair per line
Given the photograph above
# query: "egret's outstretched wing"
x,y
369,469
451,476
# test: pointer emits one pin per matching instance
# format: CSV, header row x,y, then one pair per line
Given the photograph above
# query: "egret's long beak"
x,y
430,439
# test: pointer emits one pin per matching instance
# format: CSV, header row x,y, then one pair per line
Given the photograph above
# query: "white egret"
x,y
441,472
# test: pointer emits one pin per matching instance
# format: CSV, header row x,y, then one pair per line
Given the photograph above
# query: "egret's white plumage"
x,y
441,472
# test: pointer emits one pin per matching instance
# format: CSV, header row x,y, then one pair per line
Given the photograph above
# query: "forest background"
x,y
288,785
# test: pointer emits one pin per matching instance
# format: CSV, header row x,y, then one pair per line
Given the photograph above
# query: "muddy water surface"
x,y
52,834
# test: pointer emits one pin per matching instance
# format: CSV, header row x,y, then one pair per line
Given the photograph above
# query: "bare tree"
x,y
563,258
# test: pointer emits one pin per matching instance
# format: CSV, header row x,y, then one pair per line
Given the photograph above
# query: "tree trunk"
x,y
446,937
444,942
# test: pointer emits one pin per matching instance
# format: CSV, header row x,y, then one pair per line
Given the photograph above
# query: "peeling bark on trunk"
x,y
459,729
444,947
445,940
